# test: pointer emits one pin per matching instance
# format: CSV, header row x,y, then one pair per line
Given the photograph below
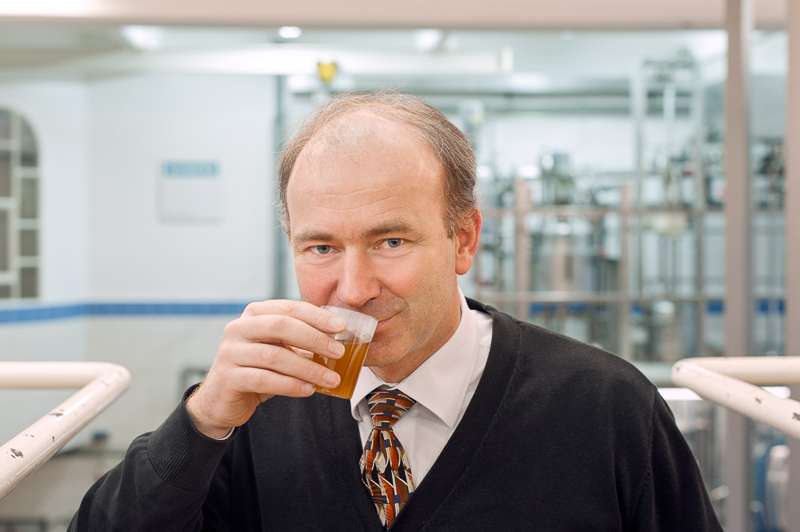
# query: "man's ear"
x,y
467,241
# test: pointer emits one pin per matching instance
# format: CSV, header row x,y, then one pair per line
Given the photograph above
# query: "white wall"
x,y
137,123
156,350
51,340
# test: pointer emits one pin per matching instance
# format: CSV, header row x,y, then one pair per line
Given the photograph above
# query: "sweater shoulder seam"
x,y
646,476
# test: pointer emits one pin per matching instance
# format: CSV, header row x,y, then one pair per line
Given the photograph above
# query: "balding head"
x,y
351,119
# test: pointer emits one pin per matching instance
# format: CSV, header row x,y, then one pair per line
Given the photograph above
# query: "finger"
x,y
258,381
286,362
319,318
301,352
281,329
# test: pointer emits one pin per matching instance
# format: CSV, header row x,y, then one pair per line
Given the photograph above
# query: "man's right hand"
x,y
256,360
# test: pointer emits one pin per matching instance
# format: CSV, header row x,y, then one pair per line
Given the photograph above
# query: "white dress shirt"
x,y
442,386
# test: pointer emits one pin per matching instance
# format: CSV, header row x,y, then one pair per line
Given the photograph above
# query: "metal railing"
x,y
735,382
100,385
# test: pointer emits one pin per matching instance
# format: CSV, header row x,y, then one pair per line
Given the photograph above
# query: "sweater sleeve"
x,y
161,484
671,494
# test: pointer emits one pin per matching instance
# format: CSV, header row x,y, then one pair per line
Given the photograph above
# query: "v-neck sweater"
x,y
558,436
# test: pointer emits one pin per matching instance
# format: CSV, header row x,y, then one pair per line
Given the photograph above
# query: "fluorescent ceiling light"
x,y
428,40
290,32
147,38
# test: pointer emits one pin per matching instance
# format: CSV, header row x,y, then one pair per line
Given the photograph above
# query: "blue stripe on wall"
x,y
713,306
40,313
23,314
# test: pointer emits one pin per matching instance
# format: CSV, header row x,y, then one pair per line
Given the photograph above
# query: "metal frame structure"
x,y
100,385
631,210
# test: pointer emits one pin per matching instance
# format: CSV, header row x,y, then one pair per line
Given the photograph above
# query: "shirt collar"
x,y
440,383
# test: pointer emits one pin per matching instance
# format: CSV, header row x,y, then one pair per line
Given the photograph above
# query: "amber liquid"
x,y
348,367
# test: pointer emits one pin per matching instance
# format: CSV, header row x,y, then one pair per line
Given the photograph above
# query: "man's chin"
x,y
379,355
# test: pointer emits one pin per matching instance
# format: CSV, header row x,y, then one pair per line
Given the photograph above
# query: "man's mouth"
x,y
383,323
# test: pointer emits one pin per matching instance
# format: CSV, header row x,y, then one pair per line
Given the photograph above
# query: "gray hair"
x,y
450,145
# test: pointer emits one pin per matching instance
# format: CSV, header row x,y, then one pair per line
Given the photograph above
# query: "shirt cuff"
x,y
228,435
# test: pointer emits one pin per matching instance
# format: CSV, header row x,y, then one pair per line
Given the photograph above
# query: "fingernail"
x,y
336,323
336,348
331,378
308,389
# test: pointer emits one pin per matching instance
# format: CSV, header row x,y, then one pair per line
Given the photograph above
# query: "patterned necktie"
x,y
384,465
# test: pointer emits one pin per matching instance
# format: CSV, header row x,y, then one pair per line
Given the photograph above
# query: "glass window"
x,y
4,241
5,174
5,124
29,155
29,198
29,282
28,243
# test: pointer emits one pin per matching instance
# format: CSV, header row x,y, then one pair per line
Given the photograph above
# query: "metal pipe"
x,y
738,300
279,277
522,206
567,296
638,98
731,382
101,384
791,235
792,178
625,346
700,205
589,212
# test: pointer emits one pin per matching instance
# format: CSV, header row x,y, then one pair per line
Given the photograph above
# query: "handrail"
x,y
101,384
731,382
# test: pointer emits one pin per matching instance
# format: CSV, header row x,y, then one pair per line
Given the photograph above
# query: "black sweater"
x,y
558,436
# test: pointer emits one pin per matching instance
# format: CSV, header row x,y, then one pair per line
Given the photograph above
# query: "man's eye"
x,y
321,250
394,242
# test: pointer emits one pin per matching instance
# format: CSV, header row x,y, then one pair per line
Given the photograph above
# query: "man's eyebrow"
x,y
381,229
394,226
311,234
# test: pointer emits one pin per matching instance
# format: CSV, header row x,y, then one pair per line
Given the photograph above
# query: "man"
x,y
490,424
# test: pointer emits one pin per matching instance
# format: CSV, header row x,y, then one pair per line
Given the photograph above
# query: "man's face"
x,y
367,231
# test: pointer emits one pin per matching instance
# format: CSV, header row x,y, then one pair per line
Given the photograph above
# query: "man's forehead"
x,y
349,135
366,163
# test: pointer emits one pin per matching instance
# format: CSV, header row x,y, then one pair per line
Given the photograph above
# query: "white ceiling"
x,y
98,50
474,14
88,37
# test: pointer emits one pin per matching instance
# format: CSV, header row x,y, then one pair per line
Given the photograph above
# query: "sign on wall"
x,y
191,190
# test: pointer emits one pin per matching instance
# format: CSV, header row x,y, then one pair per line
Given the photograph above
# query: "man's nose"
x,y
358,282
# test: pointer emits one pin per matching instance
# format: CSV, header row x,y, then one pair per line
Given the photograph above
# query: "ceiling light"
x,y
146,38
290,32
428,40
